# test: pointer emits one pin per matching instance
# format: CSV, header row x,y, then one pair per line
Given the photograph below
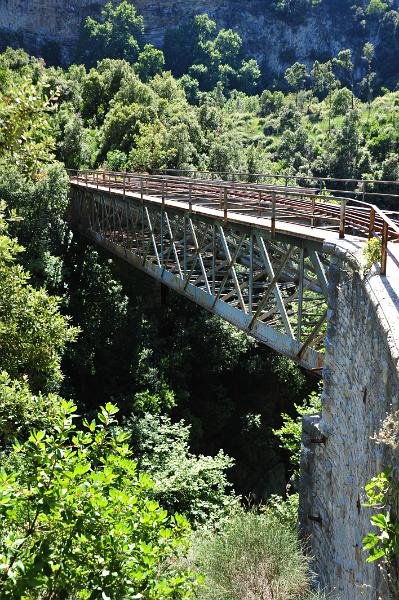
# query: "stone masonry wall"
x,y
361,385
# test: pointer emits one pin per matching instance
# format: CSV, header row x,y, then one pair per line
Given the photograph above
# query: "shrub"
x,y
77,520
253,556
371,253
195,486
286,511
290,433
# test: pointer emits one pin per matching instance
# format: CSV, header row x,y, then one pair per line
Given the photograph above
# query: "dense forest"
x,y
143,451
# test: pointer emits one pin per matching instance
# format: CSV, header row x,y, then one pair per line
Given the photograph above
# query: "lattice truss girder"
x,y
279,287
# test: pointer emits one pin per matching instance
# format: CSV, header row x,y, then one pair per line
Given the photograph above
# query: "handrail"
x,y
367,220
233,175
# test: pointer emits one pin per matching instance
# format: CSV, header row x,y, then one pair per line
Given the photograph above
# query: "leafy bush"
x,y
195,486
77,519
21,411
372,253
290,432
286,511
33,333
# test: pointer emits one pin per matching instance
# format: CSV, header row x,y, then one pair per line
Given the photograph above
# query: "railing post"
x,y
86,178
190,197
371,222
342,219
97,179
225,205
141,189
273,229
384,249
162,220
124,185
313,211
363,191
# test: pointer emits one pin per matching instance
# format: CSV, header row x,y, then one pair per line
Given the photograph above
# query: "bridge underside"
x,y
271,285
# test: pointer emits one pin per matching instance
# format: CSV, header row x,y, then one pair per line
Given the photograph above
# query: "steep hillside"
x,y
51,27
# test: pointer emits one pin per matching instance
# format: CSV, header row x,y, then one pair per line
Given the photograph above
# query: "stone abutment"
x,y
339,454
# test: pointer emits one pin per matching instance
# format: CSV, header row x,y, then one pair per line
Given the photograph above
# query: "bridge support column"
x,y
361,385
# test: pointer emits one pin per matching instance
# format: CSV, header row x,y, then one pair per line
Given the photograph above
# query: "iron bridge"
x,y
253,254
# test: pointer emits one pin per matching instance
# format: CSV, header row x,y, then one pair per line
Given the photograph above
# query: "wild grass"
x,y
253,557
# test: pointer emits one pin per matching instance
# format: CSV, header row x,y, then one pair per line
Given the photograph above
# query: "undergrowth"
x,y
254,556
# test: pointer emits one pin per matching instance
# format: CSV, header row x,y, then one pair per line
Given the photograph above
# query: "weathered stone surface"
x,y
361,385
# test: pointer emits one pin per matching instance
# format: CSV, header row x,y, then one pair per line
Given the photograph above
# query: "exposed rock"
x,y
51,27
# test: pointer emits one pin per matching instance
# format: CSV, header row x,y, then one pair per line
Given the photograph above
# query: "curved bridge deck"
x,y
257,255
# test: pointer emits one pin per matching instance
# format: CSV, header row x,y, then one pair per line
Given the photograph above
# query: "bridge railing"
x,y
364,189
299,205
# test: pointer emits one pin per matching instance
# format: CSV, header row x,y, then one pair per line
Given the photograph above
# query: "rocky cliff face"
x,y
50,27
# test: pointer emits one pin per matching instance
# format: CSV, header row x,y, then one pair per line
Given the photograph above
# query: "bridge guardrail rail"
x,y
294,204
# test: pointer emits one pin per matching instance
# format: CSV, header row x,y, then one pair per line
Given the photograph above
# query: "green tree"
x,y
344,62
368,55
150,148
270,102
117,34
296,77
324,81
70,147
195,486
21,410
226,47
346,154
77,519
376,7
149,63
33,334
341,102
25,128
249,76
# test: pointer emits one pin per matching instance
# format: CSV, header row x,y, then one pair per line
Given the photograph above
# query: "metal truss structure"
x,y
270,284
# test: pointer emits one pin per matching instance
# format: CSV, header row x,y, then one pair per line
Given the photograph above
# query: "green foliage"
x,y
155,404
290,433
41,206
376,7
285,510
22,411
253,556
33,333
341,102
380,491
77,520
270,102
25,133
371,253
296,76
150,62
118,34
195,486
210,56
70,147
